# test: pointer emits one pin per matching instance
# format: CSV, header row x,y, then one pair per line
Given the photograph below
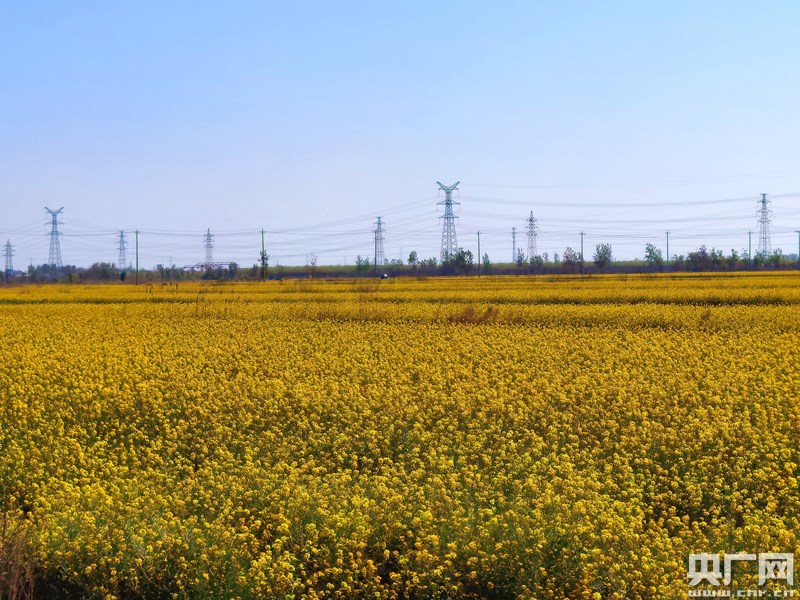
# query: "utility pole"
x,y
55,245
479,253
513,245
798,248
668,250
749,249
582,234
449,243
137,257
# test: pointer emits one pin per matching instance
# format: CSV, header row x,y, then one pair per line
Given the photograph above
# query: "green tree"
x,y
101,272
570,257
463,259
717,258
733,259
395,266
520,257
774,259
700,259
362,265
264,258
603,255
653,257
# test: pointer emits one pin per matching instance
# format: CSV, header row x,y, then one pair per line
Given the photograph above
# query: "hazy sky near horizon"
x,y
310,119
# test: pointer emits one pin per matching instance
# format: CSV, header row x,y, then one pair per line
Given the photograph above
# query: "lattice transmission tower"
x,y
764,244
209,246
55,244
380,258
532,232
122,262
449,242
8,253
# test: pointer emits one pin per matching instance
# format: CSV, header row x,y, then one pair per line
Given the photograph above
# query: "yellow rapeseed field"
x,y
461,437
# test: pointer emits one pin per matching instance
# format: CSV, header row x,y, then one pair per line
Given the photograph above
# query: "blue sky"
x,y
309,119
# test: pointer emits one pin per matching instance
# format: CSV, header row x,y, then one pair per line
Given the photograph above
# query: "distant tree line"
x,y
109,272
462,262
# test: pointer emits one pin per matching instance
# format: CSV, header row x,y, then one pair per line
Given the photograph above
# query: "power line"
x,y
685,182
414,223
602,205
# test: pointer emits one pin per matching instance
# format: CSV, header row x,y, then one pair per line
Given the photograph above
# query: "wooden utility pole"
x,y
137,257
479,253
